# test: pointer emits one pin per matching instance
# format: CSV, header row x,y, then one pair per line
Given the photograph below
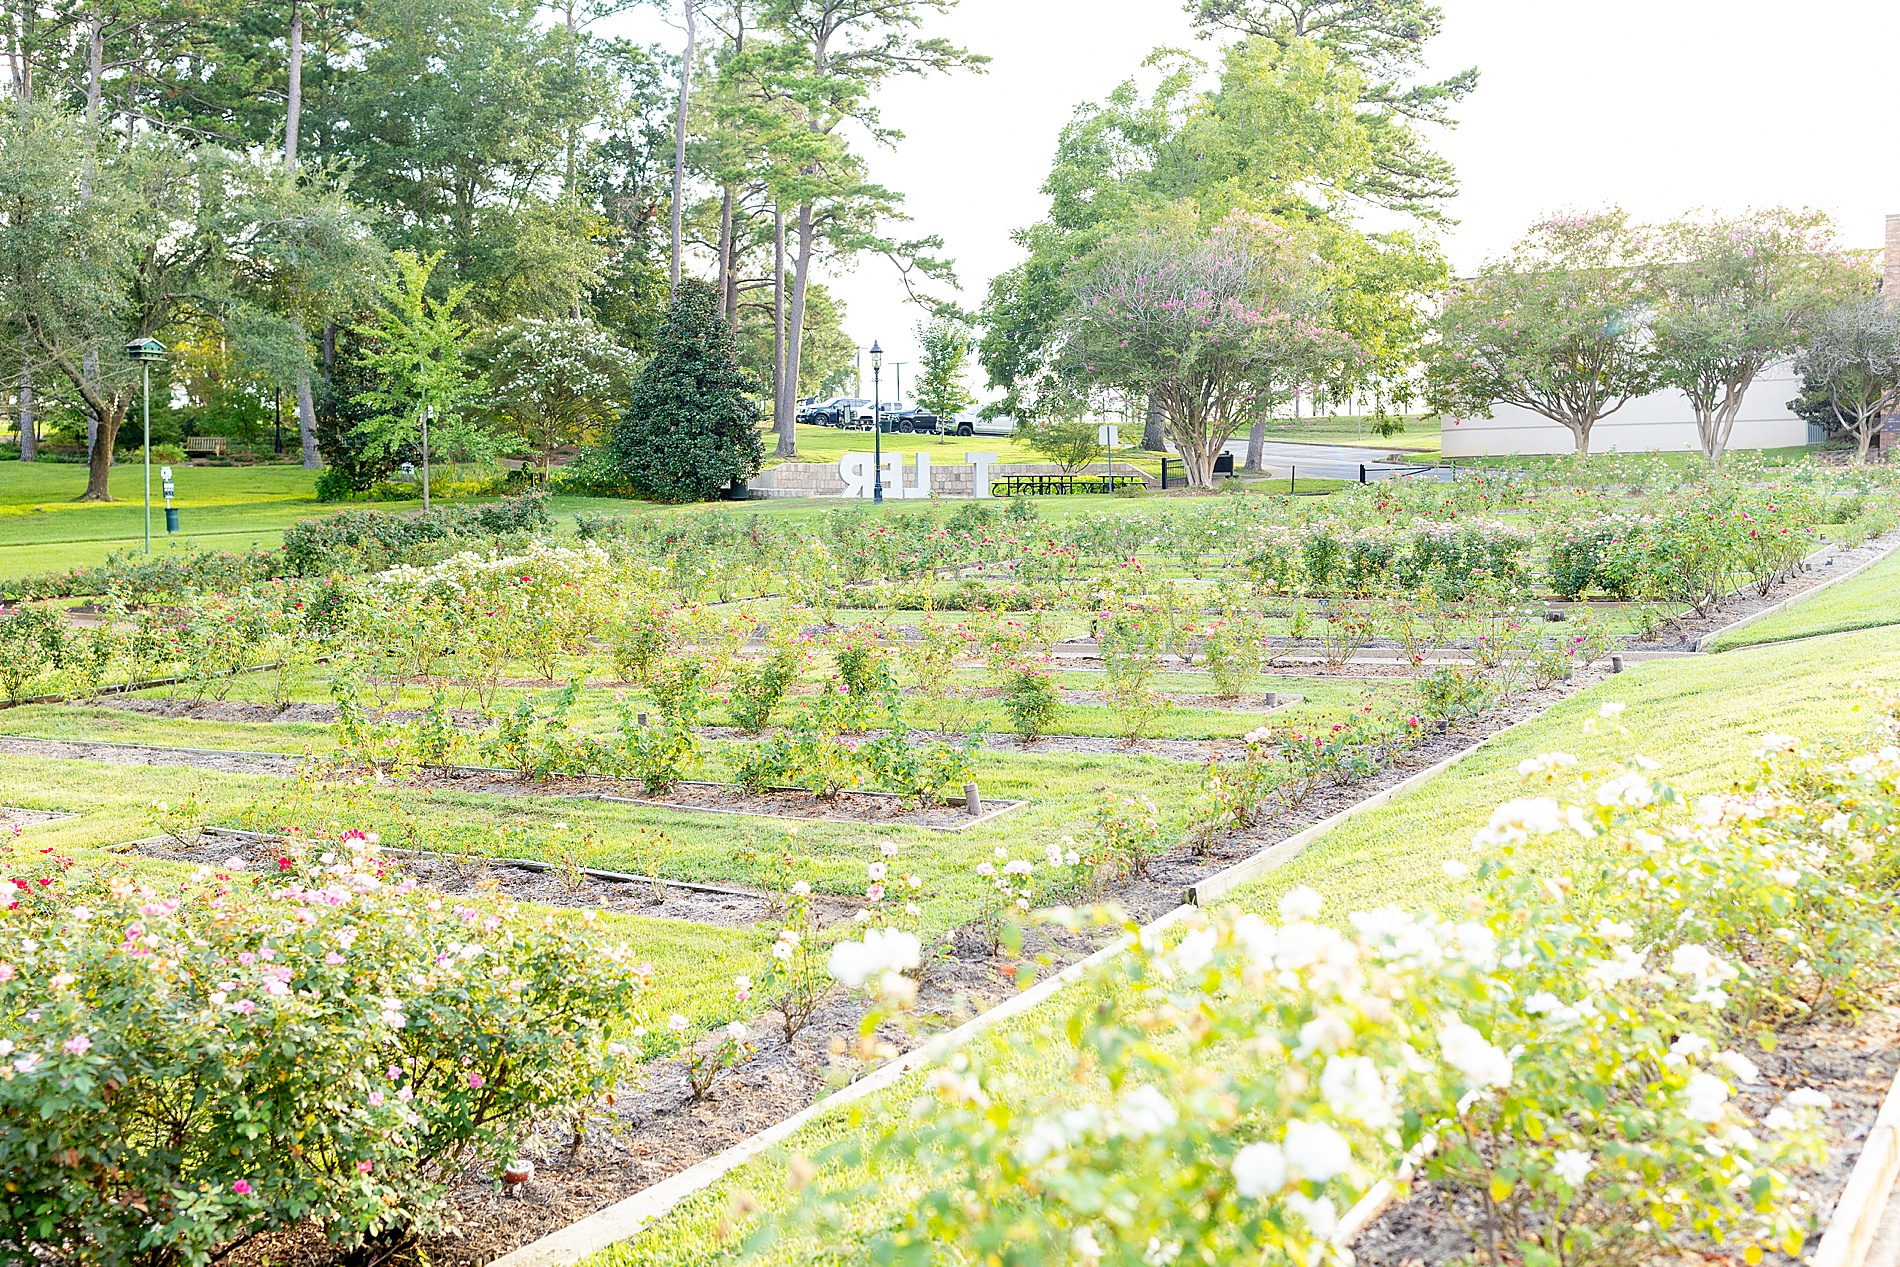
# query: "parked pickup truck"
x,y
838,411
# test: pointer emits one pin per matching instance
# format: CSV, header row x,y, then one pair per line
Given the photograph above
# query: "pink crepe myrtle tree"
x,y
1214,325
1558,326
1732,296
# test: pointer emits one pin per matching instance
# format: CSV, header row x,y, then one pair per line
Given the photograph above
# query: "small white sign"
x,y
1107,434
164,472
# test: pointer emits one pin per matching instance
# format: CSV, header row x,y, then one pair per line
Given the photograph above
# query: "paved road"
x,y
1322,461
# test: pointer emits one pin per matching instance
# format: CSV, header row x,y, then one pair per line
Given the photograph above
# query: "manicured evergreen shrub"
x,y
692,426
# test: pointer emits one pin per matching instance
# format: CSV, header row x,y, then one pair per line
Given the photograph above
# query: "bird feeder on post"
x,y
145,351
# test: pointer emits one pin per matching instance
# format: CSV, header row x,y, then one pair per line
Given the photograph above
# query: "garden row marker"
x,y
1857,1215
1707,640
628,1218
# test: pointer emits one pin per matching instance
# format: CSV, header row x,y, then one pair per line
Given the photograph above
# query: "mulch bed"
x,y
1854,1064
736,907
656,1130
13,818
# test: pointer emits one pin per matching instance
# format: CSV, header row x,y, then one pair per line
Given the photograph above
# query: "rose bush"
x,y
184,1068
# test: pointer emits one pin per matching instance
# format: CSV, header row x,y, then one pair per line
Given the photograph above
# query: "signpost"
x,y
1107,434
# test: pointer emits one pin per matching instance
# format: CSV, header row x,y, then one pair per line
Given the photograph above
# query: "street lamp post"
x,y
877,428
145,351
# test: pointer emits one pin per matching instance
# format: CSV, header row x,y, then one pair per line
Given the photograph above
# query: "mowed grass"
x,y
1421,435
237,508
1698,717
1868,601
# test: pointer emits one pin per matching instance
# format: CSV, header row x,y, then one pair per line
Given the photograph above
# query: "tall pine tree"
x,y
692,424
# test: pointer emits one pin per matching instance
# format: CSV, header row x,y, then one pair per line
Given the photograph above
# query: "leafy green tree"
x,y
557,382
1732,297
946,344
1280,131
1385,40
1556,327
692,424
1852,361
834,57
416,352
1068,442
1218,325
104,241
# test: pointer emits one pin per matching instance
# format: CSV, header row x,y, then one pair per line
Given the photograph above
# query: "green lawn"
x,y
236,508
1421,435
1869,600
1697,717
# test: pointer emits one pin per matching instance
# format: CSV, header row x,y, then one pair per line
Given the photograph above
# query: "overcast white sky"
x,y
1658,105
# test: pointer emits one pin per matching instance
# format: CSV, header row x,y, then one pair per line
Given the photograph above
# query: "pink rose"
x,y
78,1044
242,1187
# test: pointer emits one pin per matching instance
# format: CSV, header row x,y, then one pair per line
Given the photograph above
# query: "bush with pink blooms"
x,y
183,1069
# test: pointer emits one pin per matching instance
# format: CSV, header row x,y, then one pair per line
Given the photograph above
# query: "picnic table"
x,y
1044,484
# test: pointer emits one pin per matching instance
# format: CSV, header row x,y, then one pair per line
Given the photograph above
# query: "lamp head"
x,y
877,356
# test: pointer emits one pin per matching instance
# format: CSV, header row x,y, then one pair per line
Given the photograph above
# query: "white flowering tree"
x,y
558,382
1215,325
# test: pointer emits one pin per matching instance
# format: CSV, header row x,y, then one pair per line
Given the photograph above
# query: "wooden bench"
x,y
206,446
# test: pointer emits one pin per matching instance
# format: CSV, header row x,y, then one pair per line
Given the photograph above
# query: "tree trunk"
x,y
795,320
1154,435
95,77
293,100
89,365
728,272
29,420
99,463
679,149
307,421
784,392
1256,445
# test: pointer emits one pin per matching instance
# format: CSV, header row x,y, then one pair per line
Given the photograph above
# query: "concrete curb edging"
x,y
629,1217
58,816
1857,1215
1707,640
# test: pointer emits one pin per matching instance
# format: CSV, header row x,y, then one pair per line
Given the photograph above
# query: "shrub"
x,y
1030,699
691,425
185,1070
758,687
32,646
1555,1059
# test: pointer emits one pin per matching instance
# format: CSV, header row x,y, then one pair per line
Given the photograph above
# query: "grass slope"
x,y
1869,600
1696,716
